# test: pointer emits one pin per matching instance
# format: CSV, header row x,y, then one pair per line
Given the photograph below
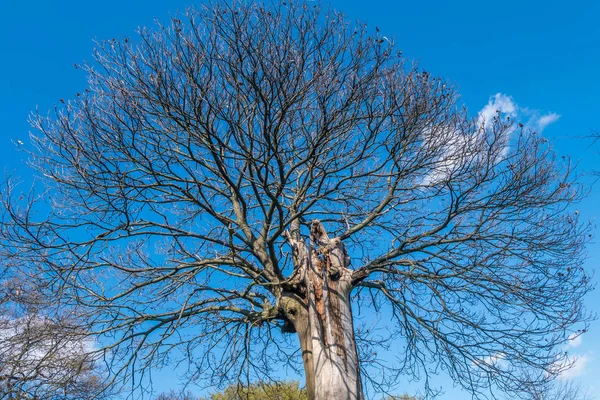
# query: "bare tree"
x,y
40,357
556,390
206,196
173,395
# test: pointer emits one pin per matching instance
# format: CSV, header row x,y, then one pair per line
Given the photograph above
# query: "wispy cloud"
x,y
455,148
32,346
579,367
451,145
579,362
505,105
545,120
574,341
497,103
494,360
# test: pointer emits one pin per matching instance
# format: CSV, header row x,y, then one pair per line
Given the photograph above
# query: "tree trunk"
x,y
322,316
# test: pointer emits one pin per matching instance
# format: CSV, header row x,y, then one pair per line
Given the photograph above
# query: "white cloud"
x,y
542,122
31,344
450,146
574,340
498,103
578,367
455,148
578,362
505,104
494,360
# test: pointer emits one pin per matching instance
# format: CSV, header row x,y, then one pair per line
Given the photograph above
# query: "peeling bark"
x,y
322,316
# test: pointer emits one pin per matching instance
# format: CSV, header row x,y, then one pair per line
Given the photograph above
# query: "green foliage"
x,y
289,390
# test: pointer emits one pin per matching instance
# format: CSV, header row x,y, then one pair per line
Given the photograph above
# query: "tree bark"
x,y
322,316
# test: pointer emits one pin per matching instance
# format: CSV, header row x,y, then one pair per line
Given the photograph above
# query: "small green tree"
x,y
289,390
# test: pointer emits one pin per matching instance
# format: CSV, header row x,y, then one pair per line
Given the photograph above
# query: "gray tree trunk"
x,y
322,316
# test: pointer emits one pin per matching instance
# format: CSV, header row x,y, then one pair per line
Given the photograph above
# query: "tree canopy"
x,y
251,171
263,391
287,390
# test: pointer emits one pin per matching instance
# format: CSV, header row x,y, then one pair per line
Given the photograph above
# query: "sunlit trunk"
x,y
322,318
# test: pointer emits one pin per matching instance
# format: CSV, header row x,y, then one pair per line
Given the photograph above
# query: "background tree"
x,y
263,391
173,395
287,390
557,390
206,195
40,357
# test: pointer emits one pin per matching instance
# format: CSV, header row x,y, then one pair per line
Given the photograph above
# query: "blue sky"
x,y
541,57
